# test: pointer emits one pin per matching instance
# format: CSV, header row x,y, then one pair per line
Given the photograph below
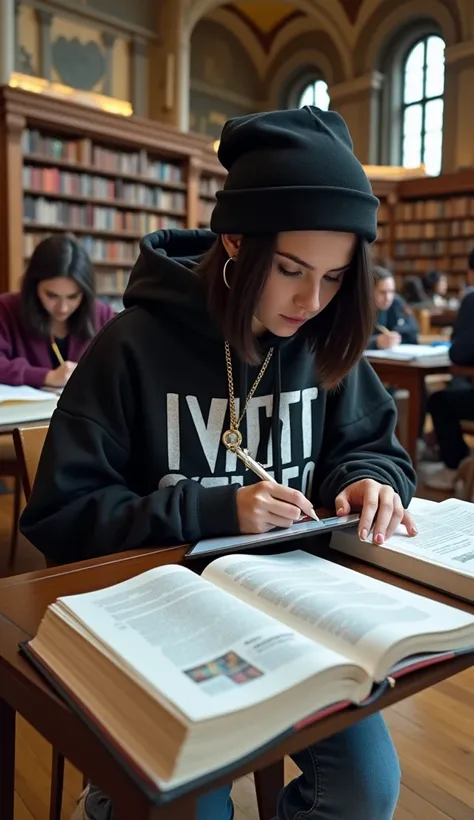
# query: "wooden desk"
x,y
409,376
23,601
443,317
8,428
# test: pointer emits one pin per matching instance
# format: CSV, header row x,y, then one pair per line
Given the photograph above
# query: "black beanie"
x,y
292,170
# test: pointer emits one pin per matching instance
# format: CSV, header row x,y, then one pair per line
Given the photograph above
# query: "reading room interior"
x,y
248,228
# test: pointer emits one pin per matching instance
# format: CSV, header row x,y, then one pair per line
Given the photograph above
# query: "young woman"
x,y
46,327
394,324
414,293
435,283
450,407
250,335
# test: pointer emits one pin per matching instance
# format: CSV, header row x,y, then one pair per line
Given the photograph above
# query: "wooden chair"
x,y
29,443
9,468
423,317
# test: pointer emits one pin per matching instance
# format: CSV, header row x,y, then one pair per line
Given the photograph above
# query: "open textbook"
x,y
440,556
408,353
21,404
184,675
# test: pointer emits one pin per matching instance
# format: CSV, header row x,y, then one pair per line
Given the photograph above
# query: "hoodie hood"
x,y
164,278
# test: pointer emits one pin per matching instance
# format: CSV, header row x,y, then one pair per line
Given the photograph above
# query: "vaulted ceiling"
x,y
266,15
351,7
267,18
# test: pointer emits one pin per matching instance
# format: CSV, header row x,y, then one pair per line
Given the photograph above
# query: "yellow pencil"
x,y
382,329
57,351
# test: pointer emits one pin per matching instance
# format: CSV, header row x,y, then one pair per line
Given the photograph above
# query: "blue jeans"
x,y
353,775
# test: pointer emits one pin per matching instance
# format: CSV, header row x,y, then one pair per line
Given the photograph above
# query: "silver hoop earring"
x,y
224,270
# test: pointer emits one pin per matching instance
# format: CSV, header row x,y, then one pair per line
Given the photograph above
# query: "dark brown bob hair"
x,y
56,256
338,335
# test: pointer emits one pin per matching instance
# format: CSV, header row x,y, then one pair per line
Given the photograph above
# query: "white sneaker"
x,y
442,478
426,452
79,812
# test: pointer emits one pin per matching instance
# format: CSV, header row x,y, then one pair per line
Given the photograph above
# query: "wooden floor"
x,y
433,732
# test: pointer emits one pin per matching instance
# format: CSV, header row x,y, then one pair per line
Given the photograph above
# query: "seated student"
x,y
449,407
47,325
394,325
436,286
230,338
469,284
414,293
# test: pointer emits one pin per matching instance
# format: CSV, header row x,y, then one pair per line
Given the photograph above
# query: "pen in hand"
x,y
260,471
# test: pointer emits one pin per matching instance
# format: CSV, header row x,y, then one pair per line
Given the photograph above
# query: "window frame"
x,y
312,84
423,101
299,83
391,65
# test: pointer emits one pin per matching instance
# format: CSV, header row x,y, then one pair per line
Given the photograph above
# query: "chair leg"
x,y
7,760
268,785
57,783
16,518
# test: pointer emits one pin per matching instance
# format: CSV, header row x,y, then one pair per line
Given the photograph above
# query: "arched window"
x,y
422,105
316,93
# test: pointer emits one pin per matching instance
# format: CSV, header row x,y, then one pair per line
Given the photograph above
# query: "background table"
x,y
409,376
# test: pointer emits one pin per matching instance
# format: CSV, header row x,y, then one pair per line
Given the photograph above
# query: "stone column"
x,y
358,101
108,40
44,19
16,53
7,40
139,50
458,130
169,66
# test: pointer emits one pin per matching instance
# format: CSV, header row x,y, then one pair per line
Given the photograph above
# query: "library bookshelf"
x,y
433,226
105,178
385,190
110,179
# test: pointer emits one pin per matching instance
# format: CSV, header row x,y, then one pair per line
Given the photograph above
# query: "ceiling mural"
x,y
265,19
264,15
351,7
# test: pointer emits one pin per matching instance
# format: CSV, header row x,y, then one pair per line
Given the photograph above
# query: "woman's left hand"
x,y
381,509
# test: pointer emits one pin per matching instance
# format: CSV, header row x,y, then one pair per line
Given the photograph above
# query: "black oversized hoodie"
x,y
133,456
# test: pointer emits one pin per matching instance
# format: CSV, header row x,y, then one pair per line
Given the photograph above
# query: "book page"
x,y
13,393
206,652
445,536
351,613
409,352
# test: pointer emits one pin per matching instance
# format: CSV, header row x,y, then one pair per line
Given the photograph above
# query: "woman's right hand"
x,y
59,376
263,506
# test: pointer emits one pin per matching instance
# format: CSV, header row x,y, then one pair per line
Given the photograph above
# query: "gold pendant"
x,y
232,439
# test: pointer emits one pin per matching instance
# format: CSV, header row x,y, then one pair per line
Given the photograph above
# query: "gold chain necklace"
x,y
232,438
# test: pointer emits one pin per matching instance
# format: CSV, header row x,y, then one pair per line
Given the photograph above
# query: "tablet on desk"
x,y
299,529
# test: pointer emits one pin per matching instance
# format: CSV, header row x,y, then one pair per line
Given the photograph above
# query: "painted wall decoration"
x,y
79,65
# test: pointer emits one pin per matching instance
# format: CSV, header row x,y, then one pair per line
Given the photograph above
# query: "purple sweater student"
x,y
47,326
